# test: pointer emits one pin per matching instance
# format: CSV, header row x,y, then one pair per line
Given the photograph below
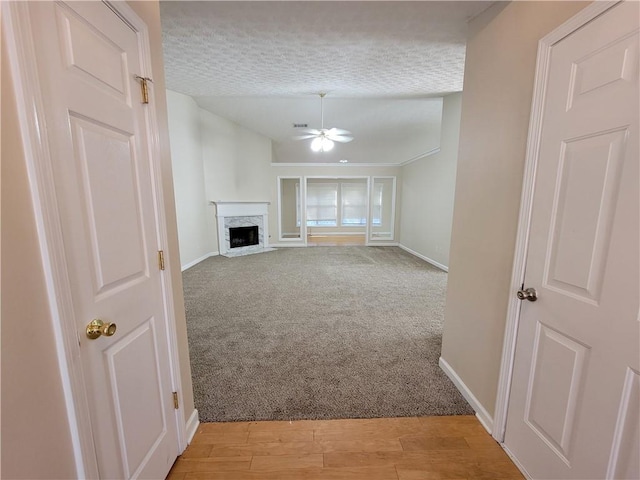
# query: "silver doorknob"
x,y
528,294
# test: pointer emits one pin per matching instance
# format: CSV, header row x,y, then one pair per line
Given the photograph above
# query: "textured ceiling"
x,y
230,55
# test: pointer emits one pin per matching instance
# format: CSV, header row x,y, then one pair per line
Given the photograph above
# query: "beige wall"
x,y
195,216
236,160
428,191
36,441
498,86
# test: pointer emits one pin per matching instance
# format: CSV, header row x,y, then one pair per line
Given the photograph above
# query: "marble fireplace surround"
x,y
242,214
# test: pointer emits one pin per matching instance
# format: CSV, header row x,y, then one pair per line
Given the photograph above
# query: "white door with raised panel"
x,y
88,57
574,409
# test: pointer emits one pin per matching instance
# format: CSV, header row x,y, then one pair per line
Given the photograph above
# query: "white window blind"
x,y
354,204
378,190
322,204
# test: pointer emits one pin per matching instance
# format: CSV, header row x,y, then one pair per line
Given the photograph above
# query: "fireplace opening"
x,y
243,236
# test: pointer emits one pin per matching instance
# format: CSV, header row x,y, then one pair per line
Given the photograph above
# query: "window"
x,y
322,204
354,204
376,213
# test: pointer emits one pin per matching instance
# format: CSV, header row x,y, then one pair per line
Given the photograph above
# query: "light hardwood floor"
x,y
334,240
367,449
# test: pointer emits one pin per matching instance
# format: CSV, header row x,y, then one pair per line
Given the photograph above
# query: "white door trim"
x,y
31,118
526,204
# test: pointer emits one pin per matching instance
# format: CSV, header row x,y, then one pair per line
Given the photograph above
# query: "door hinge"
x,y
144,86
161,259
176,403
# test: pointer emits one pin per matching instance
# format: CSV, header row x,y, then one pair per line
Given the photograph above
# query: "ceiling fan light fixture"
x,y
327,144
324,139
322,144
316,144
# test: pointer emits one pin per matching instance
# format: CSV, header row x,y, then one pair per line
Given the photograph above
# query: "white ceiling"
x,y
384,66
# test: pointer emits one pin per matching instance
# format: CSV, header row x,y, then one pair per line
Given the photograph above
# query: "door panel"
x,y
107,164
553,393
569,403
625,454
137,393
588,185
90,53
88,56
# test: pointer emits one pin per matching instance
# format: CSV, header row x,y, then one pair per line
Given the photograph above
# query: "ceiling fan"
x,y
323,139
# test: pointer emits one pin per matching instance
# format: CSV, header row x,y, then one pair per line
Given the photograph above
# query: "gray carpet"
x,y
314,333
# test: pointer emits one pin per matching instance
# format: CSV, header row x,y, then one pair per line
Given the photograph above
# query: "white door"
x,y
87,58
575,399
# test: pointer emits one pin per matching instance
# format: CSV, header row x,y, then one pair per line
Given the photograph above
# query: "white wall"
x,y
196,218
428,191
236,161
496,104
36,440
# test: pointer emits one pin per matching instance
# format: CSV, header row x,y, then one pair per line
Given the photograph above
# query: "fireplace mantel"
x,y
230,214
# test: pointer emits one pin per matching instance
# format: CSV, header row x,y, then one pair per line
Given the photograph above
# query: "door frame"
x,y
38,157
526,204
292,242
385,240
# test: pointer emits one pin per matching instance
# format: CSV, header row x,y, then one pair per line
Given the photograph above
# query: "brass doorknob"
x,y
97,327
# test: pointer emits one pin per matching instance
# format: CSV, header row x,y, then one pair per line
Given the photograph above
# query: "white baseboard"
x,y
192,425
425,258
375,243
285,245
481,413
198,260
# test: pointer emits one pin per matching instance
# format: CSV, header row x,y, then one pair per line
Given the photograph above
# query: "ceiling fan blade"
x,y
338,131
303,137
311,131
339,138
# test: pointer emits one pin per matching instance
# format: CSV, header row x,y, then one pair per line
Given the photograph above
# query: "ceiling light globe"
x,y
327,145
316,144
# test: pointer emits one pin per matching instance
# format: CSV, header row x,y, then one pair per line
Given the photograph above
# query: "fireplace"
x,y
243,228
243,236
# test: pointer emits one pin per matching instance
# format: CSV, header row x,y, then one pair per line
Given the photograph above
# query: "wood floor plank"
x,y
434,448
280,436
211,464
197,450
286,462
176,476
405,459
423,442
265,449
367,432
288,426
404,474
224,428
367,473
370,445
224,439
292,448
